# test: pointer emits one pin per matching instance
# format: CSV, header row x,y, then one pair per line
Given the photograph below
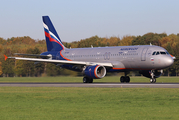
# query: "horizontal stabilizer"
x,y
35,55
5,57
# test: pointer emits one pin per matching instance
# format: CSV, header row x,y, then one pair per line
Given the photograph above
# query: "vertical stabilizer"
x,y
52,39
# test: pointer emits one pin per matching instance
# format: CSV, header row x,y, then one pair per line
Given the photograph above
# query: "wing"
x,y
63,61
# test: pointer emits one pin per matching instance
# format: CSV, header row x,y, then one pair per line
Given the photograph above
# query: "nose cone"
x,y
169,61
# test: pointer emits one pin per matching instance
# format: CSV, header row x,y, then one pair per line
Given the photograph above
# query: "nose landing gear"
x,y
153,79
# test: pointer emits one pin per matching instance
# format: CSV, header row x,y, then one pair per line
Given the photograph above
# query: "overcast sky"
x,y
79,19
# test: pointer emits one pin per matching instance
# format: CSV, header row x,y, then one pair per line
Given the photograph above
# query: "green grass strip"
x,y
54,103
79,79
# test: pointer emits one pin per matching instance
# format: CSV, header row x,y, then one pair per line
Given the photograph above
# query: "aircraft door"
x,y
107,56
143,54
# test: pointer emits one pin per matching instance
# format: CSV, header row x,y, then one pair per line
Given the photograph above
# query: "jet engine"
x,y
146,73
95,71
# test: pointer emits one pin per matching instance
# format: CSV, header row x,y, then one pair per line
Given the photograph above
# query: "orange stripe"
x,y
95,72
119,68
64,57
129,68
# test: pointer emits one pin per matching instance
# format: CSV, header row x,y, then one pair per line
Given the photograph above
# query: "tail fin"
x,y
52,39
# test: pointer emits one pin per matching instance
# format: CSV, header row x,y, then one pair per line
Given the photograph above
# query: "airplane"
x,y
95,62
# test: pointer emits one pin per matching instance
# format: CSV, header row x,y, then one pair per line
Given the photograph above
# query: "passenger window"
x,y
153,53
157,53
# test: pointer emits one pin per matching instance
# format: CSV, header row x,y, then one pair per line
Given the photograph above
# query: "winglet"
x,y
5,57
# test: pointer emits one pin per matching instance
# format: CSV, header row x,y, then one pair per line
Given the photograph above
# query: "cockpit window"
x,y
153,53
160,52
163,53
157,53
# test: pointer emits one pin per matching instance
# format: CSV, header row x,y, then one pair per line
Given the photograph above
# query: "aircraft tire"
x,y
152,80
90,80
127,79
122,79
85,80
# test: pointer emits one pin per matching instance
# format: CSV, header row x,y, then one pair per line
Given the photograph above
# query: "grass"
x,y
79,79
54,103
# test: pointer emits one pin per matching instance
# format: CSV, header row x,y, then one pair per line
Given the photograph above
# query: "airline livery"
x,y
95,62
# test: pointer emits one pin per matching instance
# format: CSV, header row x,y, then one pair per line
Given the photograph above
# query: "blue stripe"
x,y
46,30
55,38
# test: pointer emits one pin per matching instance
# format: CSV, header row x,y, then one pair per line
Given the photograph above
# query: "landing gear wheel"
x,y
122,79
87,80
90,80
152,80
127,79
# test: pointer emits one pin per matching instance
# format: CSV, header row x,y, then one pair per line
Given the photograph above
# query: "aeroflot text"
x,y
129,48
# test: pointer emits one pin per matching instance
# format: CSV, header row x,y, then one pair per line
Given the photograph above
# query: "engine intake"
x,y
96,72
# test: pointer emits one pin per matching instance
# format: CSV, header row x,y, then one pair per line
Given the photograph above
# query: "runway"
x,y
99,85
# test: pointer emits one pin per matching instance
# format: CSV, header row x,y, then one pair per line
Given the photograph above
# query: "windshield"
x,y
160,53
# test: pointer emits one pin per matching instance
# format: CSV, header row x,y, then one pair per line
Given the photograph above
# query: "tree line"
x,y
11,67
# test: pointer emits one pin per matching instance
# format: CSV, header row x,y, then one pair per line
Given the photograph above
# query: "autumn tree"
x,y
148,38
1,68
126,41
28,45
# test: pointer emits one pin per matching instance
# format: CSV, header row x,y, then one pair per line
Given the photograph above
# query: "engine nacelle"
x,y
96,72
146,73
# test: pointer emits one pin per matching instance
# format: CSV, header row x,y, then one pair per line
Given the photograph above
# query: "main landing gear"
x,y
153,79
87,80
125,78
